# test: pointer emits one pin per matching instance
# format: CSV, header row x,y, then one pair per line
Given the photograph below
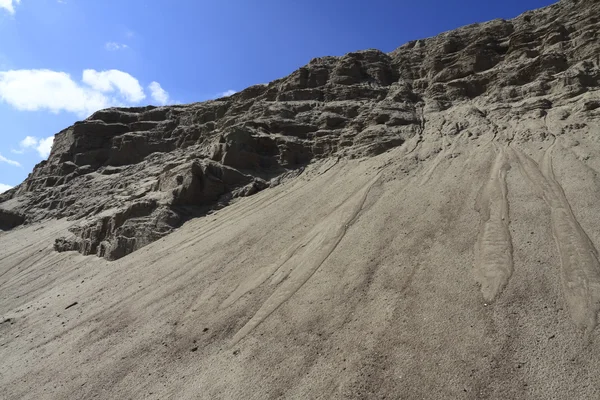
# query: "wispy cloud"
x,y
227,93
158,94
4,188
9,5
114,46
33,90
42,146
8,161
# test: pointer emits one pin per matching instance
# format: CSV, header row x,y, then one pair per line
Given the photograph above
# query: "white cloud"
x,y
228,93
42,89
9,5
159,94
10,162
28,142
42,146
115,80
4,188
114,46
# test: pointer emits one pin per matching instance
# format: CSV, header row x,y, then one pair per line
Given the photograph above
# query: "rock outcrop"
x,y
132,175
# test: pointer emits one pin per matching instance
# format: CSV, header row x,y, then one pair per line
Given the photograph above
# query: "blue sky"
x,y
62,59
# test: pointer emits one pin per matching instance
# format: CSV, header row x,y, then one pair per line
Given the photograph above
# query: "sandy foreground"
x,y
471,275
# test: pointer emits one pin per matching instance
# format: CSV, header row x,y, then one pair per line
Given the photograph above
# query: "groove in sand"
x,y
301,261
494,261
442,155
580,273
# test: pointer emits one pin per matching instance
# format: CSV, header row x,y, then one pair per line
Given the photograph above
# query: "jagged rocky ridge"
x,y
132,175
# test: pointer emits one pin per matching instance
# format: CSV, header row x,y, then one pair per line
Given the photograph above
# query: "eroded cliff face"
x,y
132,175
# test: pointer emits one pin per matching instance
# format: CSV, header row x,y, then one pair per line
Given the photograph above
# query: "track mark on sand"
x,y
442,155
493,251
301,261
580,272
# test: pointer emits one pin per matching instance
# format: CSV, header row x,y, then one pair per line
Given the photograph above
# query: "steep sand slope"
x,y
472,274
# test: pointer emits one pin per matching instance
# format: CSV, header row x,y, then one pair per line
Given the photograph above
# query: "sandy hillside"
x,y
368,289
453,259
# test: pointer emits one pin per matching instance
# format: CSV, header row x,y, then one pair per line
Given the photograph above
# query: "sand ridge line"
x,y
274,270
302,260
580,268
46,234
445,152
21,260
493,250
